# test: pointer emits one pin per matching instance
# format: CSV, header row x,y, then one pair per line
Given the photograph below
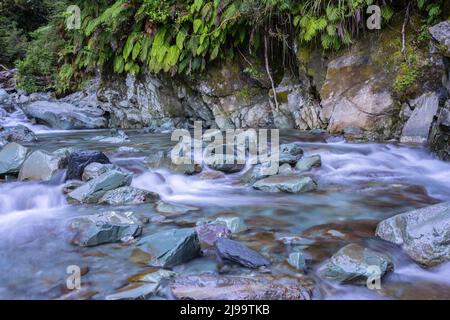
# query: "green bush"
x,y
12,42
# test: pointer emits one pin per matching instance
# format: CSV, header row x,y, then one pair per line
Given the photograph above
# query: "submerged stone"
x,y
171,248
128,196
105,228
356,264
173,209
297,260
234,224
235,252
289,184
424,234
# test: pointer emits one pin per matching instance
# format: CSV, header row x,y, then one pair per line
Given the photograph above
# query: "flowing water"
x,y
359,185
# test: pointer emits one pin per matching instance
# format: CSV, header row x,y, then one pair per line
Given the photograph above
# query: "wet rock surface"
x,y
12,157
235,252
128,196
289,184
79,160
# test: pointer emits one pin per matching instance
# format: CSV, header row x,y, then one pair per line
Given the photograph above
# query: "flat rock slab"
x,y
105,228
289,184
215,287
171,248
355,264
128,196
173,209
235,252
424,234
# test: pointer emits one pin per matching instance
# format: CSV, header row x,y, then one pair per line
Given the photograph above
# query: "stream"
x,y
359,186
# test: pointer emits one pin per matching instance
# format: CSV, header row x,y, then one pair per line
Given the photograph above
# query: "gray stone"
x,y
18,133
229,287
128,196
308,163
171,248
234,224
79,160
105,228
441,33
95,169
94,190
5,99
65,116
233,251
289,184
297,260
116,137
12,157
255,173
290,153
285,170
355,264
424,234
417,128
209,233
440,133
141,292
173,209
41,165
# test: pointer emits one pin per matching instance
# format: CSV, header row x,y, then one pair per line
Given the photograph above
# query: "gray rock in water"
x,y
254,174
12,157
424,234
260,287
128,196
290,153
173,209
417,128
209,233
171,248
95,169
94,190
105,228
285,170
5,99
65,116
41,165
79,160
356,264
441,33
135,293
234,224
308,163
289,184
117,136
235,252
297,260
19,133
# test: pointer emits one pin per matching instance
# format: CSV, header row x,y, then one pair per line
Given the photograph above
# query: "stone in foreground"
x,y
233,251
290,153
171,248
95,169
424,234
12,157
79,160
19,133
105,228
234,224
308,163
41,165
355,264
289,184
94,190
128,196
261,287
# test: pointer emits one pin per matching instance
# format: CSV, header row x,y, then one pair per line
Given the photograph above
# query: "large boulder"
x,y
235,252
41,165
261,287
105,228
79,160
441,33
355,264
424,234
65,116
12,157
289,184
128,196
440,133
94,190
418,126
19,133
171,248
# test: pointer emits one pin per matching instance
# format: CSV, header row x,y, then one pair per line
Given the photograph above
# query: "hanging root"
x,y
269,74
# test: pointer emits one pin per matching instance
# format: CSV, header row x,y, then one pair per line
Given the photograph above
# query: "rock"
x,y
79,160
424,234
94,190
255,173
156,277
289,184
261,287
171,248
65,116
234,224
117,136
297,260
187,169
308,163
5,99
41,165
235,252
440,133
141,292
285,170
128,196
173,209
356,264
211,175
441,33
95,169
157,160
71,185
3,142
105,228
18,133
125,149
210,232
417,128
12,157
290,153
